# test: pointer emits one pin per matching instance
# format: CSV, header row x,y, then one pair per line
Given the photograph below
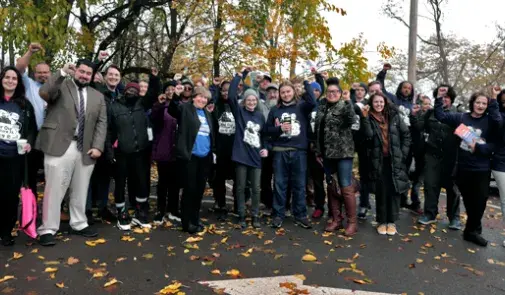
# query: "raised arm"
x,y
494,114
50,91
449,118
309,99
153,91
23,62
233,94
381,77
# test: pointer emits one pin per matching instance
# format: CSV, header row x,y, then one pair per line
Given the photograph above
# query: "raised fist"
x,y
35,47
387,66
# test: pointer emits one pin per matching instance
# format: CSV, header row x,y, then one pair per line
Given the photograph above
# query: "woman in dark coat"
x,y
388,140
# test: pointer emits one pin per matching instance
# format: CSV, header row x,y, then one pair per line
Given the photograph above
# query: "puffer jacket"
x,y
399,144
336,140
128,125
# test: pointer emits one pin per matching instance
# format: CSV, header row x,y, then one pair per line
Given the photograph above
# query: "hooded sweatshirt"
x,y
298,112
404,104
249,128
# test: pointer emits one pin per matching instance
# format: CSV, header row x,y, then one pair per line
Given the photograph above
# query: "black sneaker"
x,y
277,222
47,240
159,218
256,222
241,222
363,211
475,238
106,215
87,232
123,219
7,240
304,222
141,217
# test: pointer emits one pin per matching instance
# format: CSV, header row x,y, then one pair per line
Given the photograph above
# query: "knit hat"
x,y
132,84
315,86
187,82
364,87
172,83
250,92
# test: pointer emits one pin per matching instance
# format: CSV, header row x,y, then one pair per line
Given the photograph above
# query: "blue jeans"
x,y
290,166
343,168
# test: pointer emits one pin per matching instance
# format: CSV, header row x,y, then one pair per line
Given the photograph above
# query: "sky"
x,y
474,20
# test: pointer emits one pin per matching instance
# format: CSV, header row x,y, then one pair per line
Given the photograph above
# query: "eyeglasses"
x,y
188,88
334,92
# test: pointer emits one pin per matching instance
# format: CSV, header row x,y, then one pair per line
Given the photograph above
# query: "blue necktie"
x,y
81,120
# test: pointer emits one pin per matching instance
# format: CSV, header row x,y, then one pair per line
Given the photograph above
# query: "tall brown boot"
x,y
350,209
335,205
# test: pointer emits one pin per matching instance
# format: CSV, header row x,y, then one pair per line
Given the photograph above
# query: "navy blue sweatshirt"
x,y
300,118
498,161
484,126
248,130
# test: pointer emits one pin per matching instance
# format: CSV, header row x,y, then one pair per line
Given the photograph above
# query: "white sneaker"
x,y
173,218
382,229
124,227
503,243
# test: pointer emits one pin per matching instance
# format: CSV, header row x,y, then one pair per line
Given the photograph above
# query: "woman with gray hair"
x,y
195,142
248,147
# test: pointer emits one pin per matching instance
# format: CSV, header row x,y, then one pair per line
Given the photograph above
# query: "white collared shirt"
x,y
84,95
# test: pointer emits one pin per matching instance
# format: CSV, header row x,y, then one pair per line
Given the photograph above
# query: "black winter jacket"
x,y
188,125
399,144
128,124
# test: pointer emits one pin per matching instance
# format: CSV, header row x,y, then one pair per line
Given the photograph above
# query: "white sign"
x,y
271,286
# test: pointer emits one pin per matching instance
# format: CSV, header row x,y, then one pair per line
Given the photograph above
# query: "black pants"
x,y
316,172
364,169
11,178
438,175
100,182
196,171
387,200
35,163
131,167
225,169
168,188
414,198
474,187
267,172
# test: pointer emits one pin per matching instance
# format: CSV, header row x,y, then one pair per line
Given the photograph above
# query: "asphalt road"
x,y
431,261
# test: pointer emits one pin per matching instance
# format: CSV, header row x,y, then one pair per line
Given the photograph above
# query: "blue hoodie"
x,y
249,125
299,112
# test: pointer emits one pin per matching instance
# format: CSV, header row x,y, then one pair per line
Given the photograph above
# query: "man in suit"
x,y
72,138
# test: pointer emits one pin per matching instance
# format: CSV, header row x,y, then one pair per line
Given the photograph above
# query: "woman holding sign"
x,y
17,134
476,129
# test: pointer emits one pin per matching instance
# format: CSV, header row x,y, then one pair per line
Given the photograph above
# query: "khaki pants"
x,y
65,173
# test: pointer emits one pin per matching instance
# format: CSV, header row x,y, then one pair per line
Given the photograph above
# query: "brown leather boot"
x,y
350,210
335,206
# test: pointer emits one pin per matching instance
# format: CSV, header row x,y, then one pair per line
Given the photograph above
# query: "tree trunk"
x,y
217,37
293,58
11,52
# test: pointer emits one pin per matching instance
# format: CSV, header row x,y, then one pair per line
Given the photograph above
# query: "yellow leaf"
x,y
72,261
127,238
98,275
216,272
471,250
172,289
17,255
148,256
353,265
42,258
110,283
301,277
138,231
60,285
490,261
437,258
418,260
52,276
95,261
268,242
309,258
6,278
90,243
233,273
194,239
223,241
35,251
51,269
328,242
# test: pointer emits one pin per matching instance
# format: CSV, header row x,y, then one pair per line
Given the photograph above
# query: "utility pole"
x,y
413,41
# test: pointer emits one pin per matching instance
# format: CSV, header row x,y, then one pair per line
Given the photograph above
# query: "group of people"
x,y
280,144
